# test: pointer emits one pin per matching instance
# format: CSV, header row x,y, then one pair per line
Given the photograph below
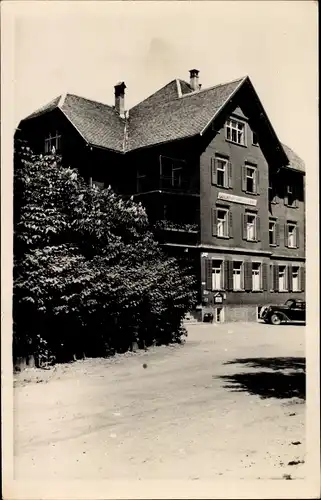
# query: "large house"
x,y
218,185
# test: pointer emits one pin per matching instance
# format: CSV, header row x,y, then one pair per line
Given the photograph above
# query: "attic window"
x,y
235,131
255,140
52,143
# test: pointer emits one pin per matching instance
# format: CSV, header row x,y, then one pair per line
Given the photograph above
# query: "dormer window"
x,y
53,143
235,131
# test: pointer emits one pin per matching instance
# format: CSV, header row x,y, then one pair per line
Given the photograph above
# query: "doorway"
x,y
219,315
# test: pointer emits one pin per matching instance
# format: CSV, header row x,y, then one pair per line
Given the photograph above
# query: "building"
x,y
219,187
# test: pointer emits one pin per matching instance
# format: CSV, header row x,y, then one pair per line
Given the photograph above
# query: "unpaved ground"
x,y
192,413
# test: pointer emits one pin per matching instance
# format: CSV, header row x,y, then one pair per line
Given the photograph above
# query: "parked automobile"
x,y
292,310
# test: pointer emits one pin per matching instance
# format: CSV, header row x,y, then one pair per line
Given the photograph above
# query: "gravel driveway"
x,y
230,402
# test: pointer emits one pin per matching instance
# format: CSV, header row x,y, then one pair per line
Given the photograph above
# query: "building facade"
x,y
221,191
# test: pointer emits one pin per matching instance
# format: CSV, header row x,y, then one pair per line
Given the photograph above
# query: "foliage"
x,y
89,278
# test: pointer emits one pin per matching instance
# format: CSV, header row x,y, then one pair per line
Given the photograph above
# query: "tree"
x,y
89,276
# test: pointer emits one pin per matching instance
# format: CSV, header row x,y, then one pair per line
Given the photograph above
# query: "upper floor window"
x,y
255,140
217,274
272,232
290,198
221,172
250,179
53,143
222,222
171,170
235,131
272,193
251,226
291,235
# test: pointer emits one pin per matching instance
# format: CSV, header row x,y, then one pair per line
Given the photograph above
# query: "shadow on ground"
x,y
285,378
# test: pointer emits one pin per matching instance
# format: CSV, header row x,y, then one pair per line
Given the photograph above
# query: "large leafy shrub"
x,y
89,278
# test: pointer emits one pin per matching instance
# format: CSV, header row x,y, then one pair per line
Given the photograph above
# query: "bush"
x,y
89,277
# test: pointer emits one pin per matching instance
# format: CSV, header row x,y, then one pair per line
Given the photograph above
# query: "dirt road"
x,y
230,402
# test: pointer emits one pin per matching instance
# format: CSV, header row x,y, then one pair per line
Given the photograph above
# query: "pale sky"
x,y
87,47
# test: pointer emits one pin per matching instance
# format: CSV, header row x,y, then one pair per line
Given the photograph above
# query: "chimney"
x,y
194,79
120,99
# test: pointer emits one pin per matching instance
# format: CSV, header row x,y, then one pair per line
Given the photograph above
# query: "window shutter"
x,y
286,243
208,274
243,178
257,181
244,228
297,233
226,276
230,224
276,277
214,170
230,275
265,277
214,222
277,233
290,276
247,276
258,228
230,180
302,278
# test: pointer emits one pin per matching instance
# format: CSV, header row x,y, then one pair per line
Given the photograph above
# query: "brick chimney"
x,y
194,79
120,99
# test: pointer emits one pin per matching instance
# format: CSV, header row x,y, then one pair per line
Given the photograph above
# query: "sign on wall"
x,y
236,199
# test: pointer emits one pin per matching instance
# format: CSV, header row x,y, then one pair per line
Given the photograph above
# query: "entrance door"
x,y
219,315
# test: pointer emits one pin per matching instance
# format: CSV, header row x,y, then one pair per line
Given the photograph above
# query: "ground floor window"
x,y
282,279
238,276
217,275
295,279
256,276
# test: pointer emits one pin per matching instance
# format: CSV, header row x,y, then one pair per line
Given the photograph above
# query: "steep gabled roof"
x,y
161,119
173,112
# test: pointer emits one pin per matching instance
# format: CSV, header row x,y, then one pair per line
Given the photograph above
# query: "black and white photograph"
x,y
159,246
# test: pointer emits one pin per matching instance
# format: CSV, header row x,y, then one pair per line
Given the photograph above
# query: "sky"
x,y
87,47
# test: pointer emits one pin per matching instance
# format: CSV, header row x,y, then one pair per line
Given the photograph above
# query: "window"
x,y
222,223
272,232
235,131
171,171
250,179
282,279
295,279
238,276
255,141
291,230
53,143
221,172
256,276
272,193
217,275
250,227
290,198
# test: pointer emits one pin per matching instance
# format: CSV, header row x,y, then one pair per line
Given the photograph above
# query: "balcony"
x,y
179,233
167,184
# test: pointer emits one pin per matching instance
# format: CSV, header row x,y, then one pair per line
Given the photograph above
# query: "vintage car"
x,y
292,310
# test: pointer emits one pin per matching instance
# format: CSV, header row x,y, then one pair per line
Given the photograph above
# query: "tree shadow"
x,y
285,378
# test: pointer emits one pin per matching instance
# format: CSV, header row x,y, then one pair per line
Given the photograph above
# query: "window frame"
x,y
286,284
227,213
259,264
221,274
274,222
241,289
230,127
295,226
48,146
298,278
254,178
253,142
254,215
220,159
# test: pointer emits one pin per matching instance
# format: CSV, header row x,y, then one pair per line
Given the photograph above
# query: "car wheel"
x,y
275,319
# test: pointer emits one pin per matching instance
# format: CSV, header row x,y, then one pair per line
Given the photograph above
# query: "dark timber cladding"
x,y
221,191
